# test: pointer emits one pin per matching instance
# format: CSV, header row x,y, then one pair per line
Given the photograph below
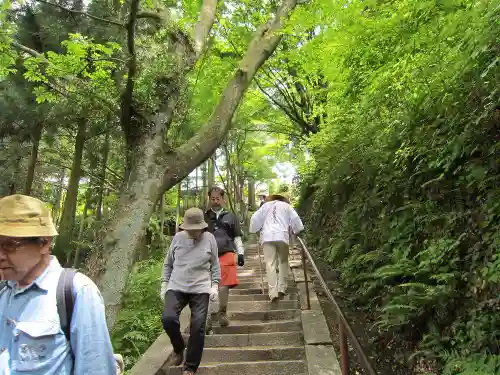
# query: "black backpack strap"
x,y
220,224
65,299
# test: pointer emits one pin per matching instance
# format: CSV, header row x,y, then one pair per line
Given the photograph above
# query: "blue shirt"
x,y
31,339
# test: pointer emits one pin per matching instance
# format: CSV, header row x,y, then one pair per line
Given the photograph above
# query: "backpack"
x,y
65,299
223,234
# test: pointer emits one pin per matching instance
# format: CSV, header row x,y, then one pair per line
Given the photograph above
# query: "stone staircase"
x,y
262,338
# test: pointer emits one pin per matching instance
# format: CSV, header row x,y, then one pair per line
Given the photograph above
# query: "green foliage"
x,y
476,365
6,57
84,61
403,189
139,322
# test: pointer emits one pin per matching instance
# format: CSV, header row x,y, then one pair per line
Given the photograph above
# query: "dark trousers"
x,y
198,303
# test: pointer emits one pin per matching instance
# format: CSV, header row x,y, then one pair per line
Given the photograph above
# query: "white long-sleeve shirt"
x,y
273,220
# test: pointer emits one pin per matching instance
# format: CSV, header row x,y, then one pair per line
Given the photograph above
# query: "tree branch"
x,y
126,114
37,54
111,105
27,50
292,112
204,25
152,15
205,142
81,13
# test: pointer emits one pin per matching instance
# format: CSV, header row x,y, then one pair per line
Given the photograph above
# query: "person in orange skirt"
x,y
225,227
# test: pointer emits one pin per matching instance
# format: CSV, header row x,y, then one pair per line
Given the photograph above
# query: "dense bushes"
x,y
405,180
138,324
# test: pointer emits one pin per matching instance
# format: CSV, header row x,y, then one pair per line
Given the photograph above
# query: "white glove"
x,y
214,293
163,290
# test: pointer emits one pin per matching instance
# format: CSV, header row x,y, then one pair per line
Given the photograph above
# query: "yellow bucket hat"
x,y
23,216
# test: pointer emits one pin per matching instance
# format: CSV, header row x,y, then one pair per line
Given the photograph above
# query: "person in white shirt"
x,y
274,220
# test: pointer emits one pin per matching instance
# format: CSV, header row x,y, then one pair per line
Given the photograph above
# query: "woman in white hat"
x,y
191,275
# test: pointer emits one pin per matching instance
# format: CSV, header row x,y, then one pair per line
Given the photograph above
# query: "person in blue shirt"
x,y
31,338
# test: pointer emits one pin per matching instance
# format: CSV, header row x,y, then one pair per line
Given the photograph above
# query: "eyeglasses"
x,y
10,246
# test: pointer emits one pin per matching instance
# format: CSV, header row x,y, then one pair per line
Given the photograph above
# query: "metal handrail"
x,y
344,327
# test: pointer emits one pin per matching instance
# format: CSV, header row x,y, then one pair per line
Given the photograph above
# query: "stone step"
x,y
249,278
241,291
257,280
251,285
260,297
254,284
296,367
253,265
264,316
246,327
250,273
261,305
252,340
253,353
258,290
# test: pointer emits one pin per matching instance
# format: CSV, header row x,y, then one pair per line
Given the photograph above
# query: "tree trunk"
x,y
100,192
153,170
251,194
88,200
225,185
58,196
204,190
243,205
11,177
178,208
211,172
63,242
35,142
197,194
228,187
162,216
109,264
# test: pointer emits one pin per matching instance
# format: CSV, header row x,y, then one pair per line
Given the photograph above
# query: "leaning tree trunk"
x,y
62,247
153,169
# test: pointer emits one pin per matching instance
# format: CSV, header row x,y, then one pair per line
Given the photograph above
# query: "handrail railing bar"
x,y
306,281
354,340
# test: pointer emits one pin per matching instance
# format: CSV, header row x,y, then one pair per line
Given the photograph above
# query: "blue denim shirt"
x,y
31,339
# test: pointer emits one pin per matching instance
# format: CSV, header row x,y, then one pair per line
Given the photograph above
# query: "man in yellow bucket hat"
x,y
45,329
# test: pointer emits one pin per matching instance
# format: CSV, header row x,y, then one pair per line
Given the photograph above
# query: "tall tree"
x,y
153,168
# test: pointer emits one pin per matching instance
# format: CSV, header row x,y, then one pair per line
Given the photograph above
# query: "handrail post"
x,y
304,266
344,349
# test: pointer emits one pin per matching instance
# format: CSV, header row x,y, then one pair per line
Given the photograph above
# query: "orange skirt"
x,y
228,270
